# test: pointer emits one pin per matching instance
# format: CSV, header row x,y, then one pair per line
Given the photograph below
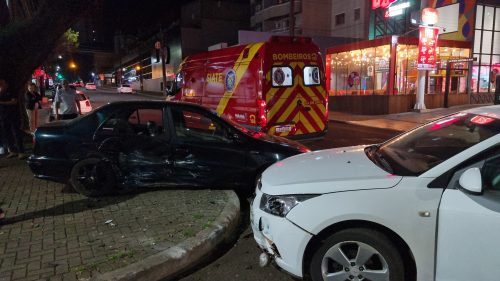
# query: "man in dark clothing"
x,y
10,122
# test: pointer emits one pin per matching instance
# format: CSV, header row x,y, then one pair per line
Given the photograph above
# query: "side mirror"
x,y
471,181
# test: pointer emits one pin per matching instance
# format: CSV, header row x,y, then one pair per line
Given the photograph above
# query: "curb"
x,y
170,262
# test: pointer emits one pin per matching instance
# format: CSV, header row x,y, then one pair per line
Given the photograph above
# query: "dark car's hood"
x,y
59,123
281,141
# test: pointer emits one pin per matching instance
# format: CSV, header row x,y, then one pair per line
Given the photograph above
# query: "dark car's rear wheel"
x,y
93,177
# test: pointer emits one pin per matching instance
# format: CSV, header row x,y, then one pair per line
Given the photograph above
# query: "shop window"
x,y
357,14
282,76
477,41
497,20
496,44
340,19
479,17
486,48
488,17
311,75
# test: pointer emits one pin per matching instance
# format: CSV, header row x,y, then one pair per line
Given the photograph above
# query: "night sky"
x,y
133,16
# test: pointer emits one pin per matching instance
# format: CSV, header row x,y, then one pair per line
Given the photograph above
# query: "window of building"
x,y
340,19
486,48
357,14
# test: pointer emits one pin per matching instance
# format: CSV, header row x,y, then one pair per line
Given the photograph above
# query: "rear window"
x,y
311,76
282,76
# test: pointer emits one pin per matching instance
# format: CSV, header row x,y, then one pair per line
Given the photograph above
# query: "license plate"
x,y
284,129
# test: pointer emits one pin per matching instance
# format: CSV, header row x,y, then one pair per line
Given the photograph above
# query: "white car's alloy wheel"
x,y
357,254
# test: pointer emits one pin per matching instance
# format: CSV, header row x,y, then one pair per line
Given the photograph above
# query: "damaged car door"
x,y
205,151
139,142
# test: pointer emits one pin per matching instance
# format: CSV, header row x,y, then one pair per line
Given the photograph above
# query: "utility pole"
x,y
163,69
292,18
420,98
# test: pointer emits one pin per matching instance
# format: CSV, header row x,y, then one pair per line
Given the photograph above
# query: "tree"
x,y
32,33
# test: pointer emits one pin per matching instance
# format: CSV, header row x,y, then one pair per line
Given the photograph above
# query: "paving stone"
x,y
54,235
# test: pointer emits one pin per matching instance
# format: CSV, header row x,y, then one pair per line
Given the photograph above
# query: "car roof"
x,y
155,102
485,110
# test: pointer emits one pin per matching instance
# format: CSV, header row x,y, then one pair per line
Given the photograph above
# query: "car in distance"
x,y
423,206
132,144
90,86
125,89
84,102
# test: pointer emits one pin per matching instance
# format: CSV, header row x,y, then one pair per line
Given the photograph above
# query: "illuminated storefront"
x,y
388,66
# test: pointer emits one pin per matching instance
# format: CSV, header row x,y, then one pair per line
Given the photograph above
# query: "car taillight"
x,y
261,107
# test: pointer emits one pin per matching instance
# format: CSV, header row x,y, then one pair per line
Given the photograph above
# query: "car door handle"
x,y
254,152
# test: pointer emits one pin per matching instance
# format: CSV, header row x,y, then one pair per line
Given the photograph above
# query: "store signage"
x,y
381,3
462,60
427,45
396,10
429,16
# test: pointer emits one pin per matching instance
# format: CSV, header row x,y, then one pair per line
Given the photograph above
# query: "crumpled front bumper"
x,y
279,238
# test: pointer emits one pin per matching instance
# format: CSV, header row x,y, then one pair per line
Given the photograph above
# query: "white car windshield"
x,y
419,150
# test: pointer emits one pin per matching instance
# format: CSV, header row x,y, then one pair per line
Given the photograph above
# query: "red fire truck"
x,y
276,86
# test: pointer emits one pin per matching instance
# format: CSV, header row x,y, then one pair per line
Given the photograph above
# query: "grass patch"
x,y
197,216
189,233
120,255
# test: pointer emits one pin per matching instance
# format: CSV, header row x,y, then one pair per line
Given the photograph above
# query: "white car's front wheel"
x,y
357,254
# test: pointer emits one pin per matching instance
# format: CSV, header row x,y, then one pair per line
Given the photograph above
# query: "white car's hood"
x,y
326,171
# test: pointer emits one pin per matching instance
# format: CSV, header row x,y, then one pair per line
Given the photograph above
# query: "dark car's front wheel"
x,y
93,177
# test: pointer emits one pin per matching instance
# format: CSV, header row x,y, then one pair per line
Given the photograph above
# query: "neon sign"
x,y
381,3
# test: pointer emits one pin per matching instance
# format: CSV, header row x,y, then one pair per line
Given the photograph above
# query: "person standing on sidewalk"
x,y
66,105
10,122
32,102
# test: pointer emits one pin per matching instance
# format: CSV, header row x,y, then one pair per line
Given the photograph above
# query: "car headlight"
x,y
280,205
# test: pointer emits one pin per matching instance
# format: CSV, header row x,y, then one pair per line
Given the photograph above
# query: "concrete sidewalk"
x,y
400,121
52,233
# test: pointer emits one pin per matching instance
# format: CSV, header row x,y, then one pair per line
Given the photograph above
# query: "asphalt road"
x,y
239,260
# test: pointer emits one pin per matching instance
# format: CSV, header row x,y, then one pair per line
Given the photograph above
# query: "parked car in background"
x,y
125,89
90,86
153,143
78,84
424,205
84,101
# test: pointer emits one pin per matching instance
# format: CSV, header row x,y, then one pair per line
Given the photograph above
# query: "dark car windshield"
x,y
421,149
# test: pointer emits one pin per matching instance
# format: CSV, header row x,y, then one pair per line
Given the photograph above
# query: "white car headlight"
x,y
280,205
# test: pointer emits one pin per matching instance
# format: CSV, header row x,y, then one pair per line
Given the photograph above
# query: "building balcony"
x,y
274,9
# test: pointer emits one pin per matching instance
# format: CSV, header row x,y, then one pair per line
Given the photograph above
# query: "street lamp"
x,y
72,65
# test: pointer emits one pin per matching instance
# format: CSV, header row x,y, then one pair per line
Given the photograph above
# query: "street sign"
x,y
427,46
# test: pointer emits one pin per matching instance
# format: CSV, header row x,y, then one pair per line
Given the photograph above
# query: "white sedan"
x,y
84,101
423,206
125,89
